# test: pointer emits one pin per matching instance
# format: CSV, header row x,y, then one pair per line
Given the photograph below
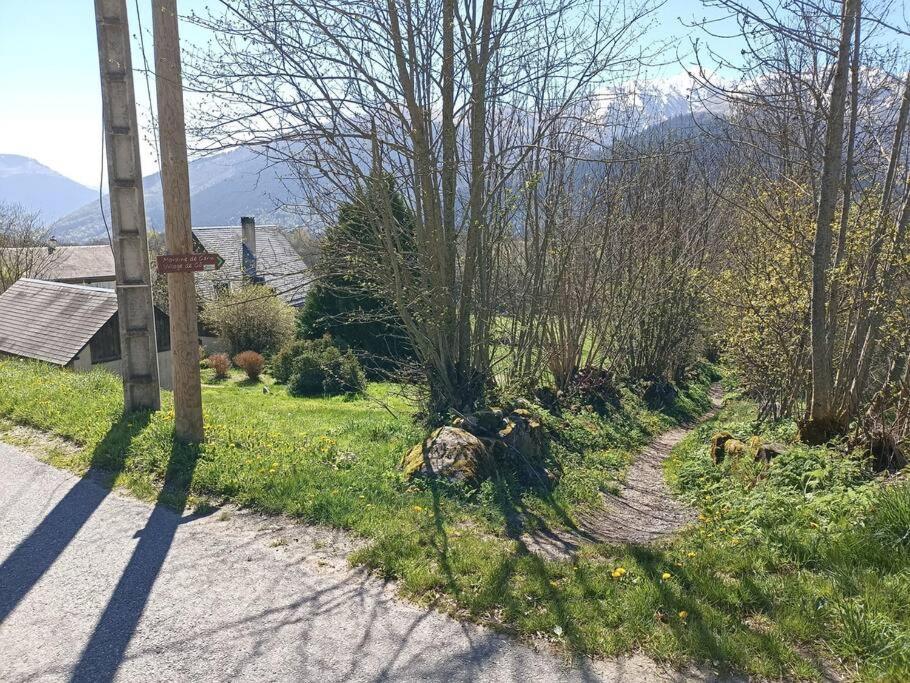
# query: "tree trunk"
x,y
822,423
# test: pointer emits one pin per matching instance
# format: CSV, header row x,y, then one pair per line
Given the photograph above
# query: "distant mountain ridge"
x,y
223,187
36,187
242,182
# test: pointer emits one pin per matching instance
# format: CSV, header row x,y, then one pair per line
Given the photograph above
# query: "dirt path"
x,y
642,512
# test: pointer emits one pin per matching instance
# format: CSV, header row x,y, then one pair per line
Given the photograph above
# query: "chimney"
x,y
248,249
51,245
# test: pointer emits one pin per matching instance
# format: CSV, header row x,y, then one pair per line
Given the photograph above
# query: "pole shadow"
x,y
107,646
31,559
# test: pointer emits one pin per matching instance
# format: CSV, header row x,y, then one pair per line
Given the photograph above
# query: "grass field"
x,y
751,587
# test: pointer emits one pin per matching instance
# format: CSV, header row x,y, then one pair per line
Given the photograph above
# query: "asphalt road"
x,y
96,586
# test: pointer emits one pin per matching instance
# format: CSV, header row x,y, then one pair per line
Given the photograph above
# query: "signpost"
x,y
189,263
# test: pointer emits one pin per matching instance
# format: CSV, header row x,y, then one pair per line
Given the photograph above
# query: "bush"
x,y
220,363
251,363
251,318
315,366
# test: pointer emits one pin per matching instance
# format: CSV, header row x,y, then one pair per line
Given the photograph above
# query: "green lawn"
x,y
749,590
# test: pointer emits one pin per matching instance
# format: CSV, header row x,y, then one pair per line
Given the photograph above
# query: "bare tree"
x,y
25,249
820,91
449,99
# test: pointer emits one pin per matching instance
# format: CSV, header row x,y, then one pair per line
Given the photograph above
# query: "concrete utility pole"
x,y
130,245
178,231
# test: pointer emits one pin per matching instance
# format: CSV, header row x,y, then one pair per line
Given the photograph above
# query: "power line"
x,y
148,87
107,228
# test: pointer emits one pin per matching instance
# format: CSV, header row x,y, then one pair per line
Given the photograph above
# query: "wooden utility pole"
x,y
139,352
178,231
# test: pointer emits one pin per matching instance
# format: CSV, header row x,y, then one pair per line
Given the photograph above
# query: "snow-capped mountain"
x,y
650,102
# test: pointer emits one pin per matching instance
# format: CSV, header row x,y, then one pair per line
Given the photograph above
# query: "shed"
x,y
73,326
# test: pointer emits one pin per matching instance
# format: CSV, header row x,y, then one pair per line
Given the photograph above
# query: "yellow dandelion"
x,y
683,614
666,576
417,508
691,553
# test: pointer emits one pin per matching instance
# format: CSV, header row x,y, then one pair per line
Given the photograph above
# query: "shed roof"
x,y
52,321
277,263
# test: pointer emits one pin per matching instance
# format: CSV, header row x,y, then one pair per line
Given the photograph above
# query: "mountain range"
x,y
38,188
223,187
239,182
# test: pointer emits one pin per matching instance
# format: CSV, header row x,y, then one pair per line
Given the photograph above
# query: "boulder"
x,y
448,452
524,436
766,452
717,446
483,422
734,448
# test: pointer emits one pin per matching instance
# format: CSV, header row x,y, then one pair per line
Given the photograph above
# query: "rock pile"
x,y
724,445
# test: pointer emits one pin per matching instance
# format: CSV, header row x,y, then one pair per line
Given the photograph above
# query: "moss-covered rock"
x,y
524,436
484,422
717,446
448,452
734,448
766,452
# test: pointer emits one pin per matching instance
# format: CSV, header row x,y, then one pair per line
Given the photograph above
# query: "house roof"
x,y
69,263
52,321
277,263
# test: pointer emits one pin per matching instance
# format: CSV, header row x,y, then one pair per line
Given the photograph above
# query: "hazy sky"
x,y
50,102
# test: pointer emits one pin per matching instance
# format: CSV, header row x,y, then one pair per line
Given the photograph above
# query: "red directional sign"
x,y
189,263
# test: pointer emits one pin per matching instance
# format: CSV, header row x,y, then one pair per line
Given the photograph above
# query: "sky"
x,y
50,107
50,100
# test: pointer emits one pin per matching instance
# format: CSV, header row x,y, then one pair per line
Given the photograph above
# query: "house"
x,y
270,260
73,326
78,265
252,253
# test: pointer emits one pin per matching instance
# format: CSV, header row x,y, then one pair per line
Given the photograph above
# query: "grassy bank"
x,y
752,587
812,551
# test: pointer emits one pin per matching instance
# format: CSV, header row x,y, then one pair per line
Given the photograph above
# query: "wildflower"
x,y
618,573
691,553
683,614
417,508
666,576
